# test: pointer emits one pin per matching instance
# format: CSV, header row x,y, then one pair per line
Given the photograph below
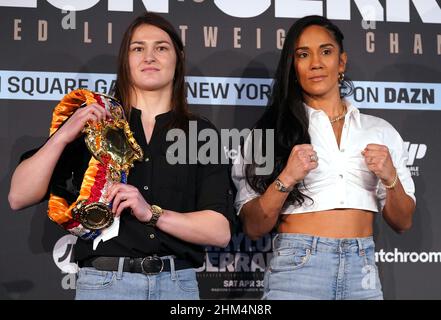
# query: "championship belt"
x,y
113,149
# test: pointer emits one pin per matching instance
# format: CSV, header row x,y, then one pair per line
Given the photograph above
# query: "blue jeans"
x,y
307,267
93,284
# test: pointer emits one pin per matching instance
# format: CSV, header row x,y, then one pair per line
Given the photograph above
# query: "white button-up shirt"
x,y
342,179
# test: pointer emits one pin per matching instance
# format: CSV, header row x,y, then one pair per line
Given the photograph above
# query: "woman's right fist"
x,y
73,127
301,161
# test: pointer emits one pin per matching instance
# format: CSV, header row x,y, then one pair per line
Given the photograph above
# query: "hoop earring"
x,y
341,77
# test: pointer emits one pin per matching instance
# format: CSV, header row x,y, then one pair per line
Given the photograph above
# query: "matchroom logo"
x,y
416,152
398,256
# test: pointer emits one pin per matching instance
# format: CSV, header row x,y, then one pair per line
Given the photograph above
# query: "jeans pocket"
x,y
92,279
186,280
284,251
290,259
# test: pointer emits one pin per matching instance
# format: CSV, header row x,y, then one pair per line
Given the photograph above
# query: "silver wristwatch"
x,y
281,187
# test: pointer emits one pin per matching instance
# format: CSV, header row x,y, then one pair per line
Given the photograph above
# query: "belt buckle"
x,y
152,262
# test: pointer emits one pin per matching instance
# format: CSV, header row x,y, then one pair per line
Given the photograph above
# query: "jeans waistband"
x,y
323,244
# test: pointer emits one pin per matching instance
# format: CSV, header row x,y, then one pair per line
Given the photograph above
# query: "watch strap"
x,y
281,187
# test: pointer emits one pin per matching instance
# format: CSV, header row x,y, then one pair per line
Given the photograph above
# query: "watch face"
x,y
157,210
156,213
278,186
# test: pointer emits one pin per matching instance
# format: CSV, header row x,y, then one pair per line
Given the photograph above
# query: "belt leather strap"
x,y
148,265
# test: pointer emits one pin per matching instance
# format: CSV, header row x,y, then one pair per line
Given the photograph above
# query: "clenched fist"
x,y
301,161
379,161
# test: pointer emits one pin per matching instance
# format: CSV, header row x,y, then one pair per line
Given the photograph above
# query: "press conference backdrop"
x,y
51,47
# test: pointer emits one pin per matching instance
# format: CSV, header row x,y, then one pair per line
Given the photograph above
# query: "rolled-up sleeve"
x,y
213,189
244,191
69,171
399,155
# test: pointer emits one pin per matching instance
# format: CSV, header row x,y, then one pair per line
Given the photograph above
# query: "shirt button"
x,y
342,202
147,159
342,150
152,236
146,188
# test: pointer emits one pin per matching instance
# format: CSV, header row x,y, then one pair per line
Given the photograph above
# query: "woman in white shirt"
x,y
335,168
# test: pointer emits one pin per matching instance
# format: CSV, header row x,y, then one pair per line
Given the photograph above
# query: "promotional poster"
x,y
52,47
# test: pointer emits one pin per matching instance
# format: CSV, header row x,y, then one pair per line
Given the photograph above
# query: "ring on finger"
x,y
313,158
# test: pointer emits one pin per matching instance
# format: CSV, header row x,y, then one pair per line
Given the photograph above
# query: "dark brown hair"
x,y
180,111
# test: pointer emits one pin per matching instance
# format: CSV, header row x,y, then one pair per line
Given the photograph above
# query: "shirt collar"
x,y
160,118
352,112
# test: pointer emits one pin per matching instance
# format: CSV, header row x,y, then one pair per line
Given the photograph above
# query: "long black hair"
x,y
285,113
